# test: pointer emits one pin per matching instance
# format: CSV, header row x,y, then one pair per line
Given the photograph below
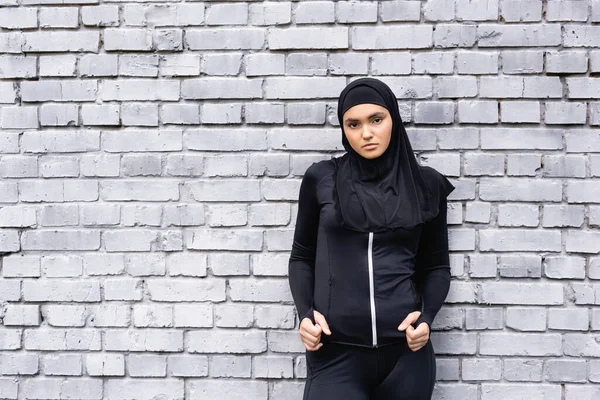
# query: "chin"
x,y
370,155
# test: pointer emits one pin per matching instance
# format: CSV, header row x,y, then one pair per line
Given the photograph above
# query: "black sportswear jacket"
x,y
364,284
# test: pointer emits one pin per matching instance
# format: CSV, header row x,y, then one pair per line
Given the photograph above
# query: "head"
x,y
368,129
367,115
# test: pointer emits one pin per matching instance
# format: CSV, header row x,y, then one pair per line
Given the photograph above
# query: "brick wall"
x,y
151,155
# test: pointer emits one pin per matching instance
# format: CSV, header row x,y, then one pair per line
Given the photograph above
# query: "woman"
x,y
369,267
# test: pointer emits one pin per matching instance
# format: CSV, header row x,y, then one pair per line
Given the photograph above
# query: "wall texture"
x,y
151,155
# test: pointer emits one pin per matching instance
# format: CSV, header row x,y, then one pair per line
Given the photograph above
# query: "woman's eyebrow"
x,y
375,114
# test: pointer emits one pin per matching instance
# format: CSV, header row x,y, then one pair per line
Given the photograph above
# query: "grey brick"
x,y
105,364
533,344
566,113
52,114
580,36
222,64
582,140
523,61
582,242
12,42
453,343
104,15
309,38
315,12
382,37
477,63
482,319
521,293
400,11
59,17
303,87
519,189
569,319
188,366
143,340
265,64
62,364
539,139
523,369
138,65
168,39
456,87
481,112
227,14
521,10
566,11
98,65
162,140
439,10
391,63
57,65
271,14
518,215
564,166
566,61
59,90
139,89
356,12
227,215
582,192
528,36
223,140
520,112
501,390
476,10
246,240
483,164
95,114
180,114
487,369
563,215
19,18
594,113
306,64
119,388
225,39
454,35
19,167
221,88
68,41
18,117
7,93
221,113
139,114
264,113
504,87
127,39
433,63
542,87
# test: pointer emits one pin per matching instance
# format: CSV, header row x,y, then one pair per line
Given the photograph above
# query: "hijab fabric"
x,y
391,191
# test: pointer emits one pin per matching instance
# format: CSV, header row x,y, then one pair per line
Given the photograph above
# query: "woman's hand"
x,y
416,337
310,333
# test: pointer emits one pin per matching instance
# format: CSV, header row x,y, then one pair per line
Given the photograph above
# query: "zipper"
x,y
372,290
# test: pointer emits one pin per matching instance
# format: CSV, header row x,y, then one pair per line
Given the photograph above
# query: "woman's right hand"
x,y
310,333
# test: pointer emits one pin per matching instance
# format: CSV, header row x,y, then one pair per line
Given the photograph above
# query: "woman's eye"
x,y
377,120
352,125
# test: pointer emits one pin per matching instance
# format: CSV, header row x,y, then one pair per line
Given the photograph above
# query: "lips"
x,y
370,146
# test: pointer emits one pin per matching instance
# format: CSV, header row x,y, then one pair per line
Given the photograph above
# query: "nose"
x,y
366,133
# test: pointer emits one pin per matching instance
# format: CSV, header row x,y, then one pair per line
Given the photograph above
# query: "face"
x,y
368,128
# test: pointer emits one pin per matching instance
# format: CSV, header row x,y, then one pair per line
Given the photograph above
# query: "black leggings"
x,y
391,372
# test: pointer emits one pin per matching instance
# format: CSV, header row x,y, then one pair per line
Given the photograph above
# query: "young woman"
x,y
369,267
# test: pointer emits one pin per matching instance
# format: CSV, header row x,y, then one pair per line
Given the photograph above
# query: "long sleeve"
x,y
301,267
433,265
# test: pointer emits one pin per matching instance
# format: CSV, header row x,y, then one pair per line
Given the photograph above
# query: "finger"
x,y
410,318
320,319
307,337
314,348
313,329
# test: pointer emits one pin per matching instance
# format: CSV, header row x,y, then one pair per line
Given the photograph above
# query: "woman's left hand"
x,y
416,337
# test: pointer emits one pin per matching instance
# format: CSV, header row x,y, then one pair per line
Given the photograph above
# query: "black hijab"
x,y
393,190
